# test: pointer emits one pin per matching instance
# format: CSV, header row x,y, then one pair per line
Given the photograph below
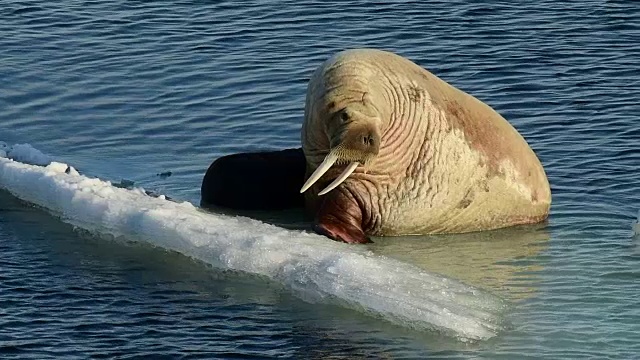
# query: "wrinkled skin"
x,y
426,157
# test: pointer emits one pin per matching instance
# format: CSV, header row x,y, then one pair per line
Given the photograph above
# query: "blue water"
x,y
131,89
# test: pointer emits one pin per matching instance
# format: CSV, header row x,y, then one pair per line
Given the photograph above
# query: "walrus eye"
x,y
344,116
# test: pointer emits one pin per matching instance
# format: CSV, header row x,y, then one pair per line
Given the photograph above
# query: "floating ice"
x,y
3,149
313,267
25,153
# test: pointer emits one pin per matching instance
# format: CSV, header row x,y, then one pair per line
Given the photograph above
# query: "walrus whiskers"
x,y
345,174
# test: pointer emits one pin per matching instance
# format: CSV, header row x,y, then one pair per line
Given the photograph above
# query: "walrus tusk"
x,y
345,174
328,161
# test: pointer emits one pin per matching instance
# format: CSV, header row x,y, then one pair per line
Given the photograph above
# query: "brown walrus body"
x,y
427,157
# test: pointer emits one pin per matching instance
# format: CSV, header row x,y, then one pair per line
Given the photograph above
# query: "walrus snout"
x,y
358,144
354,139
361,143
353,132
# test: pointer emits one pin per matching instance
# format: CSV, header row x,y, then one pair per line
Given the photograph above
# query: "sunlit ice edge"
x,y
314,268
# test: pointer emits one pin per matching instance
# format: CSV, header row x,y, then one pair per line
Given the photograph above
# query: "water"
x,y
128,90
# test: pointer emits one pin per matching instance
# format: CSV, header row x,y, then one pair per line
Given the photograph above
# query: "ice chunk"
x,y
313,267
27,154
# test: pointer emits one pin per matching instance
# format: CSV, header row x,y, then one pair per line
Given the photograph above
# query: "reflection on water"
x,y
491,260
503,261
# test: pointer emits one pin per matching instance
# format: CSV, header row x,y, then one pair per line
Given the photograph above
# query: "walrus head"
x,y
351,128
354,137
346,115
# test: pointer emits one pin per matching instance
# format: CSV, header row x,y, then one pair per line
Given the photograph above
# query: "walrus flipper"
x,y
255,181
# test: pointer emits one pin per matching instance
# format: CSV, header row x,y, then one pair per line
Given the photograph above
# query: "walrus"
x,y
391,149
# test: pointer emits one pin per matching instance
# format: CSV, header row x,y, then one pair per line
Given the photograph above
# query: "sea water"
x,y
132,90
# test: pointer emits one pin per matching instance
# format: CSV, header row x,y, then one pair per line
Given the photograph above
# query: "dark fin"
x,y
255,181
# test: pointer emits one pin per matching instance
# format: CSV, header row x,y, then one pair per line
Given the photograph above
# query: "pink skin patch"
x,y
339,217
